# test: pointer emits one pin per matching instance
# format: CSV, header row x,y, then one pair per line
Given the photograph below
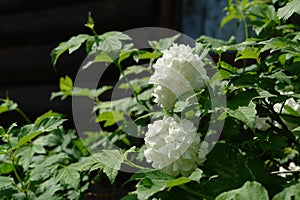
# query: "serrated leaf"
x,y
48,114
282,44
48,190
250,191
44,168
245,114
112,42
289,9
29,132
69,175
111,161
248,53
72,45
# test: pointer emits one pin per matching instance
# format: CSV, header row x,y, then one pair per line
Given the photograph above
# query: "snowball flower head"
x,y
173,146
177,72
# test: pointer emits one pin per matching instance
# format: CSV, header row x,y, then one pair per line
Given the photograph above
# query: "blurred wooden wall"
x,y
30,29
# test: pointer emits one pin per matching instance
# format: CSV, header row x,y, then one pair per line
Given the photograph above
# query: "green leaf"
x,y
6,168
48,114
6,183
72,45
48,190
281,44
146,190
26,153
111,160
112,42
250,191
110,118
8,106
69,175
90,23
289,9
44,167
29,132
245,114
291,192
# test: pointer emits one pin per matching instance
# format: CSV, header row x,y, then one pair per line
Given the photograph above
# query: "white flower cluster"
x,y
177,72
173,146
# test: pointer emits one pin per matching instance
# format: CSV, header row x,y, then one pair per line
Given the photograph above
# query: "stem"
x,y
17,175
133,164
245,26
135,95
23,115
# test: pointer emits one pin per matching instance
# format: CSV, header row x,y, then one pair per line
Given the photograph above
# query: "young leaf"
x,y
72,45
65,84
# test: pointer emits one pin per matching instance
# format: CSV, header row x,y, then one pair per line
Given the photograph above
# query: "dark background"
x,y
30,29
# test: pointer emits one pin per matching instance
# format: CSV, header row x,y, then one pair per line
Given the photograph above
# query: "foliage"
x,y
42,160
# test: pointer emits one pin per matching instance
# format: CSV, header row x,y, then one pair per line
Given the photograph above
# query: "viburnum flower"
x,y
177,72
173,146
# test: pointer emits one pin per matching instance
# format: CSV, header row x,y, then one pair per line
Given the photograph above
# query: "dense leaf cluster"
x,y
42,160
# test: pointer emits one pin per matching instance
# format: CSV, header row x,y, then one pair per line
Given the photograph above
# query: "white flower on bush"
x,y
177,72
173,146
291,104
